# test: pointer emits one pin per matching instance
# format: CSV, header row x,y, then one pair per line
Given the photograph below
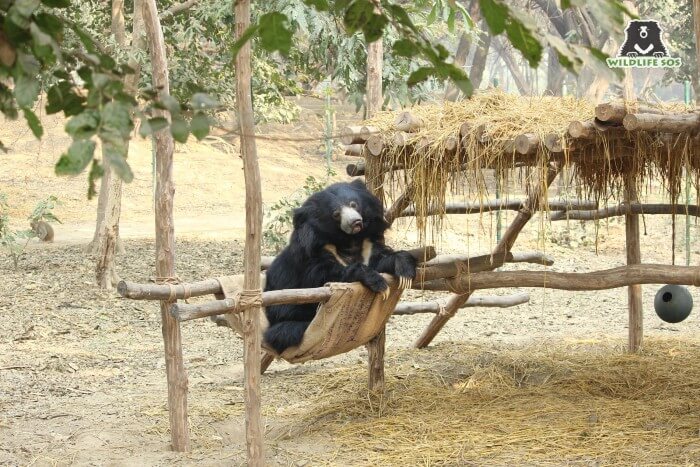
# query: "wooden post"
x,y
253,219
503,247
165,237
696,16
634,256
375,57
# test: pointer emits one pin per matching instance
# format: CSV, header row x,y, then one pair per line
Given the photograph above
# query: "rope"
x,y
250,298
171,282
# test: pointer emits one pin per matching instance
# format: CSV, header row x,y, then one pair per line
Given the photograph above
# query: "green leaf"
x,y
62,98
275,34
79,155
199,125
56,3
26,90
432,16
180,130
45,47
84,125
96,171
374,28
495,14
243,40
358,15
33,122
451,17
116,118
420,75
523,39
158,123
405,48
170,104
50,24
25,7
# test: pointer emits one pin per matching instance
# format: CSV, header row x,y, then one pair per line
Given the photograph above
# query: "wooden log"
x,y
634,256
679,123
405,121
479,132
500,205
509,147
375,145
136,291
622,276
188,312
615,112
367,131
355,170
255,429
498,301
526,143
351,135
165,235
624,209
354,150
399,205
583,130
401,138
451,144
554,142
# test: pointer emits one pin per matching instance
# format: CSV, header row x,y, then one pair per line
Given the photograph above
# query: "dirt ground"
x,y
82,377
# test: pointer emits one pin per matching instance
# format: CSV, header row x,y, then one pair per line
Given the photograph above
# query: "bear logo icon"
x,y
643,39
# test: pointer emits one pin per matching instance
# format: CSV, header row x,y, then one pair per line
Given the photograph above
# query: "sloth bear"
x,y
338,236
643,39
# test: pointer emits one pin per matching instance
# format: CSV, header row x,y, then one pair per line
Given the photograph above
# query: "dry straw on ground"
x,y
496,118
585,403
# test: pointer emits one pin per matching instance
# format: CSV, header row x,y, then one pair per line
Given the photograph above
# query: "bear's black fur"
x,y
338,236
643,39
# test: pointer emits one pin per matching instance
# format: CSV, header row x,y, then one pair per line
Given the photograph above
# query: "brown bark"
x,y
253,219
624,209
375,58
165,237
634,257
478,67
461,55
684,123
696,21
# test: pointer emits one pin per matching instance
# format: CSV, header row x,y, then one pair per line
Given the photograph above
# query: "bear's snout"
x,y
350,220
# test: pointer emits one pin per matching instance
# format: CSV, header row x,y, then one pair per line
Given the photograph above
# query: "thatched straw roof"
x,y
449,144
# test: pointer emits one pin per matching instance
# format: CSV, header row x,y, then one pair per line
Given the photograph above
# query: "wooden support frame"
x,y
501,251
625,209
634,256
165,237
500,205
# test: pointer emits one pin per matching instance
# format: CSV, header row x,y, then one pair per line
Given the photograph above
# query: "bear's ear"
x,y
358,184
301,215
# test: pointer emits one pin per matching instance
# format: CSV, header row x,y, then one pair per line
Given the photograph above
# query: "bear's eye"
x,y
353,204
336,215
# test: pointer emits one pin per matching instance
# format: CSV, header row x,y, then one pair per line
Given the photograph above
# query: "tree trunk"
x,y
520,81
375,57
463,48
476,73
696,81
555,74
253,231
165,236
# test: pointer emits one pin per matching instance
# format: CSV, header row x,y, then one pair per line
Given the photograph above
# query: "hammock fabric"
x,y
351,317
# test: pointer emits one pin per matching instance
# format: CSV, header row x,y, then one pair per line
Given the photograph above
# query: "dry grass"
x,y
597,166
582,403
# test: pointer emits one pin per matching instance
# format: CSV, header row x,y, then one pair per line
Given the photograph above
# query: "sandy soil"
x,y
82,372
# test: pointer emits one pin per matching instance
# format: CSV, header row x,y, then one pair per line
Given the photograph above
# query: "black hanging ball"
x,y
673,303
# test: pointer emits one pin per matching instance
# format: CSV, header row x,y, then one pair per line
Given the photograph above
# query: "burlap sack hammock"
x,y
351,317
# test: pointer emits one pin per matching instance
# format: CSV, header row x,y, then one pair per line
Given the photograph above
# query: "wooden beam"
x,y
527,143
614,278
634,256
497,301
354,150
498,257
501,205
615,112
678,123
165,235
624,209
253,228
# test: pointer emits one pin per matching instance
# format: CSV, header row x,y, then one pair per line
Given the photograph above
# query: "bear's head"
x,y
342,211
644,37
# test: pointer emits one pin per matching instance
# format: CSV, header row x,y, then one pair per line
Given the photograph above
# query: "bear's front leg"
x,y
358,272
400,264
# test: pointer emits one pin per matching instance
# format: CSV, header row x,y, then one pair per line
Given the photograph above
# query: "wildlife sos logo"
x,y
643,48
